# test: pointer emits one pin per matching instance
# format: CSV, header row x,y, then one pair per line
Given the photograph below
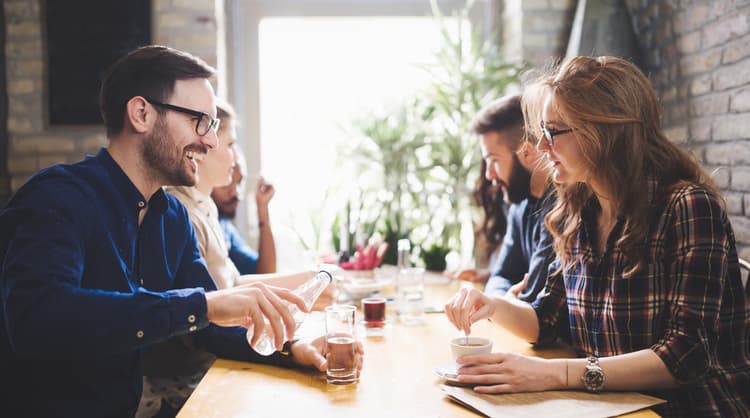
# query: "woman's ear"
x,y
139,114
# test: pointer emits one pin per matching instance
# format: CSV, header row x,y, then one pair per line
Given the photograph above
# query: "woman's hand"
x,y
467,307
508,372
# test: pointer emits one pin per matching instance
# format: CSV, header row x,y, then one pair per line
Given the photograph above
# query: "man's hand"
x,y
255,304
471,275
313,354
517,288
264,192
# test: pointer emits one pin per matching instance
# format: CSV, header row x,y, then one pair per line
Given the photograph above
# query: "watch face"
x,y
593,379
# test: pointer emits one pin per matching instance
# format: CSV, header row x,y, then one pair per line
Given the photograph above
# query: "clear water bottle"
x,y
309,292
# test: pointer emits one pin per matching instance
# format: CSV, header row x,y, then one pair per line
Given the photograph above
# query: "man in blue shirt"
x,y
227,199
513,164
98,262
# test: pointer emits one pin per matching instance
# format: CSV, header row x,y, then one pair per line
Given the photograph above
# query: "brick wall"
x,y
190,25
697,54
536,30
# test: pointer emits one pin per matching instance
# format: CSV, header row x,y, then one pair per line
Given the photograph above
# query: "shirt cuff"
x,y
188,310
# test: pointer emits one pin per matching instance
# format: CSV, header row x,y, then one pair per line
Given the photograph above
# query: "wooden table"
x,y
398,378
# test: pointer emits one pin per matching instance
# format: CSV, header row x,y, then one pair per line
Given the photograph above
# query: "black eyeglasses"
x,y
549,134
205,121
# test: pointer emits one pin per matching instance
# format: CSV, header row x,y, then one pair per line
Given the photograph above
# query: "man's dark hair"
x,y
501,114
150,71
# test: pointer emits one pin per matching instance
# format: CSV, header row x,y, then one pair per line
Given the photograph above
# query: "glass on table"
x,y
341,341
374,312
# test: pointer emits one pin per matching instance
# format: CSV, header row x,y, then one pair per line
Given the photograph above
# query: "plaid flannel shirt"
x,y
686,303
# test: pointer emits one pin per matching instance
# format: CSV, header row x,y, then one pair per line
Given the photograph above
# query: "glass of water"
x,y
410,283
341,340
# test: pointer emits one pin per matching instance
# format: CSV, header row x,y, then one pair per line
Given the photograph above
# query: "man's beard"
x,y
224,208
166,160
519,182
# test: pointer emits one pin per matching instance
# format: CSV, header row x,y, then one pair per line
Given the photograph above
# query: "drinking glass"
x,y
341,341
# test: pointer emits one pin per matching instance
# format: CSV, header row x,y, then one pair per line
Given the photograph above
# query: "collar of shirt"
x,y
127,189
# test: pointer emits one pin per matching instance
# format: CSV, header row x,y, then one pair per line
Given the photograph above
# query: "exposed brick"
x,y
741,226
692,18
23,165
747,204
740,101
734,203
29,48
740,178
700,85
711,104
720,175
18,180
43,144
732,75
722,30
23,30
736,50
23,8
529,5
49,160
92,143
689,43
700,129
733,126
537,40
678,113
166,21
22,86
562,5
728,153
193,5
20,125
743,251
677,134
700,63
26,68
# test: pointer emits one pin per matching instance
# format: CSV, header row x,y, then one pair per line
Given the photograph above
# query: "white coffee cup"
x,y
465,346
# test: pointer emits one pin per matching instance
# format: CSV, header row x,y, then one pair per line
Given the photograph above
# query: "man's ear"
x,y
140,115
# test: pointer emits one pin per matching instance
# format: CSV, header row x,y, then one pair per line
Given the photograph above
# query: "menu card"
x,y
560,403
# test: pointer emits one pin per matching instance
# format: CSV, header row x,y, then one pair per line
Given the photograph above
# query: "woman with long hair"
x,y
647,271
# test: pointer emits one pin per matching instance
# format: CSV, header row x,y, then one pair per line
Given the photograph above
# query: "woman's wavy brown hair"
x,y
616,119
492,227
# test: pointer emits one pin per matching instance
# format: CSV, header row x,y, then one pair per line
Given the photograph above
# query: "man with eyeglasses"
x,y
99,263
513,166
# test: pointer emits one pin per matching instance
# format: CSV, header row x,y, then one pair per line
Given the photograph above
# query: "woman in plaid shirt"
x,y
646,271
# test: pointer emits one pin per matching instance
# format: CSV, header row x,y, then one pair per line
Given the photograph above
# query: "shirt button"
x,y
193,328
141,281
141,203
191,318
139,334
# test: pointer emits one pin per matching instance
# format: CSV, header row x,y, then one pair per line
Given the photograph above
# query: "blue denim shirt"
x,y
84,289
526,248
244,257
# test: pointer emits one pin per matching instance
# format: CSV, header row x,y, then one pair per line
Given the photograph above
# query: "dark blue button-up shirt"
x,y
84,288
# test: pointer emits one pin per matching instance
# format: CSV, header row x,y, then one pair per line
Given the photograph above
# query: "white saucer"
x,y
448,371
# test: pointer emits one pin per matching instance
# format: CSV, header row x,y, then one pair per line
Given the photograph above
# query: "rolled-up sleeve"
x,y
551,306
700,235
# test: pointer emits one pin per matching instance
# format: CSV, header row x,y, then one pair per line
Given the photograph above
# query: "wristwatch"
x,y
593,377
